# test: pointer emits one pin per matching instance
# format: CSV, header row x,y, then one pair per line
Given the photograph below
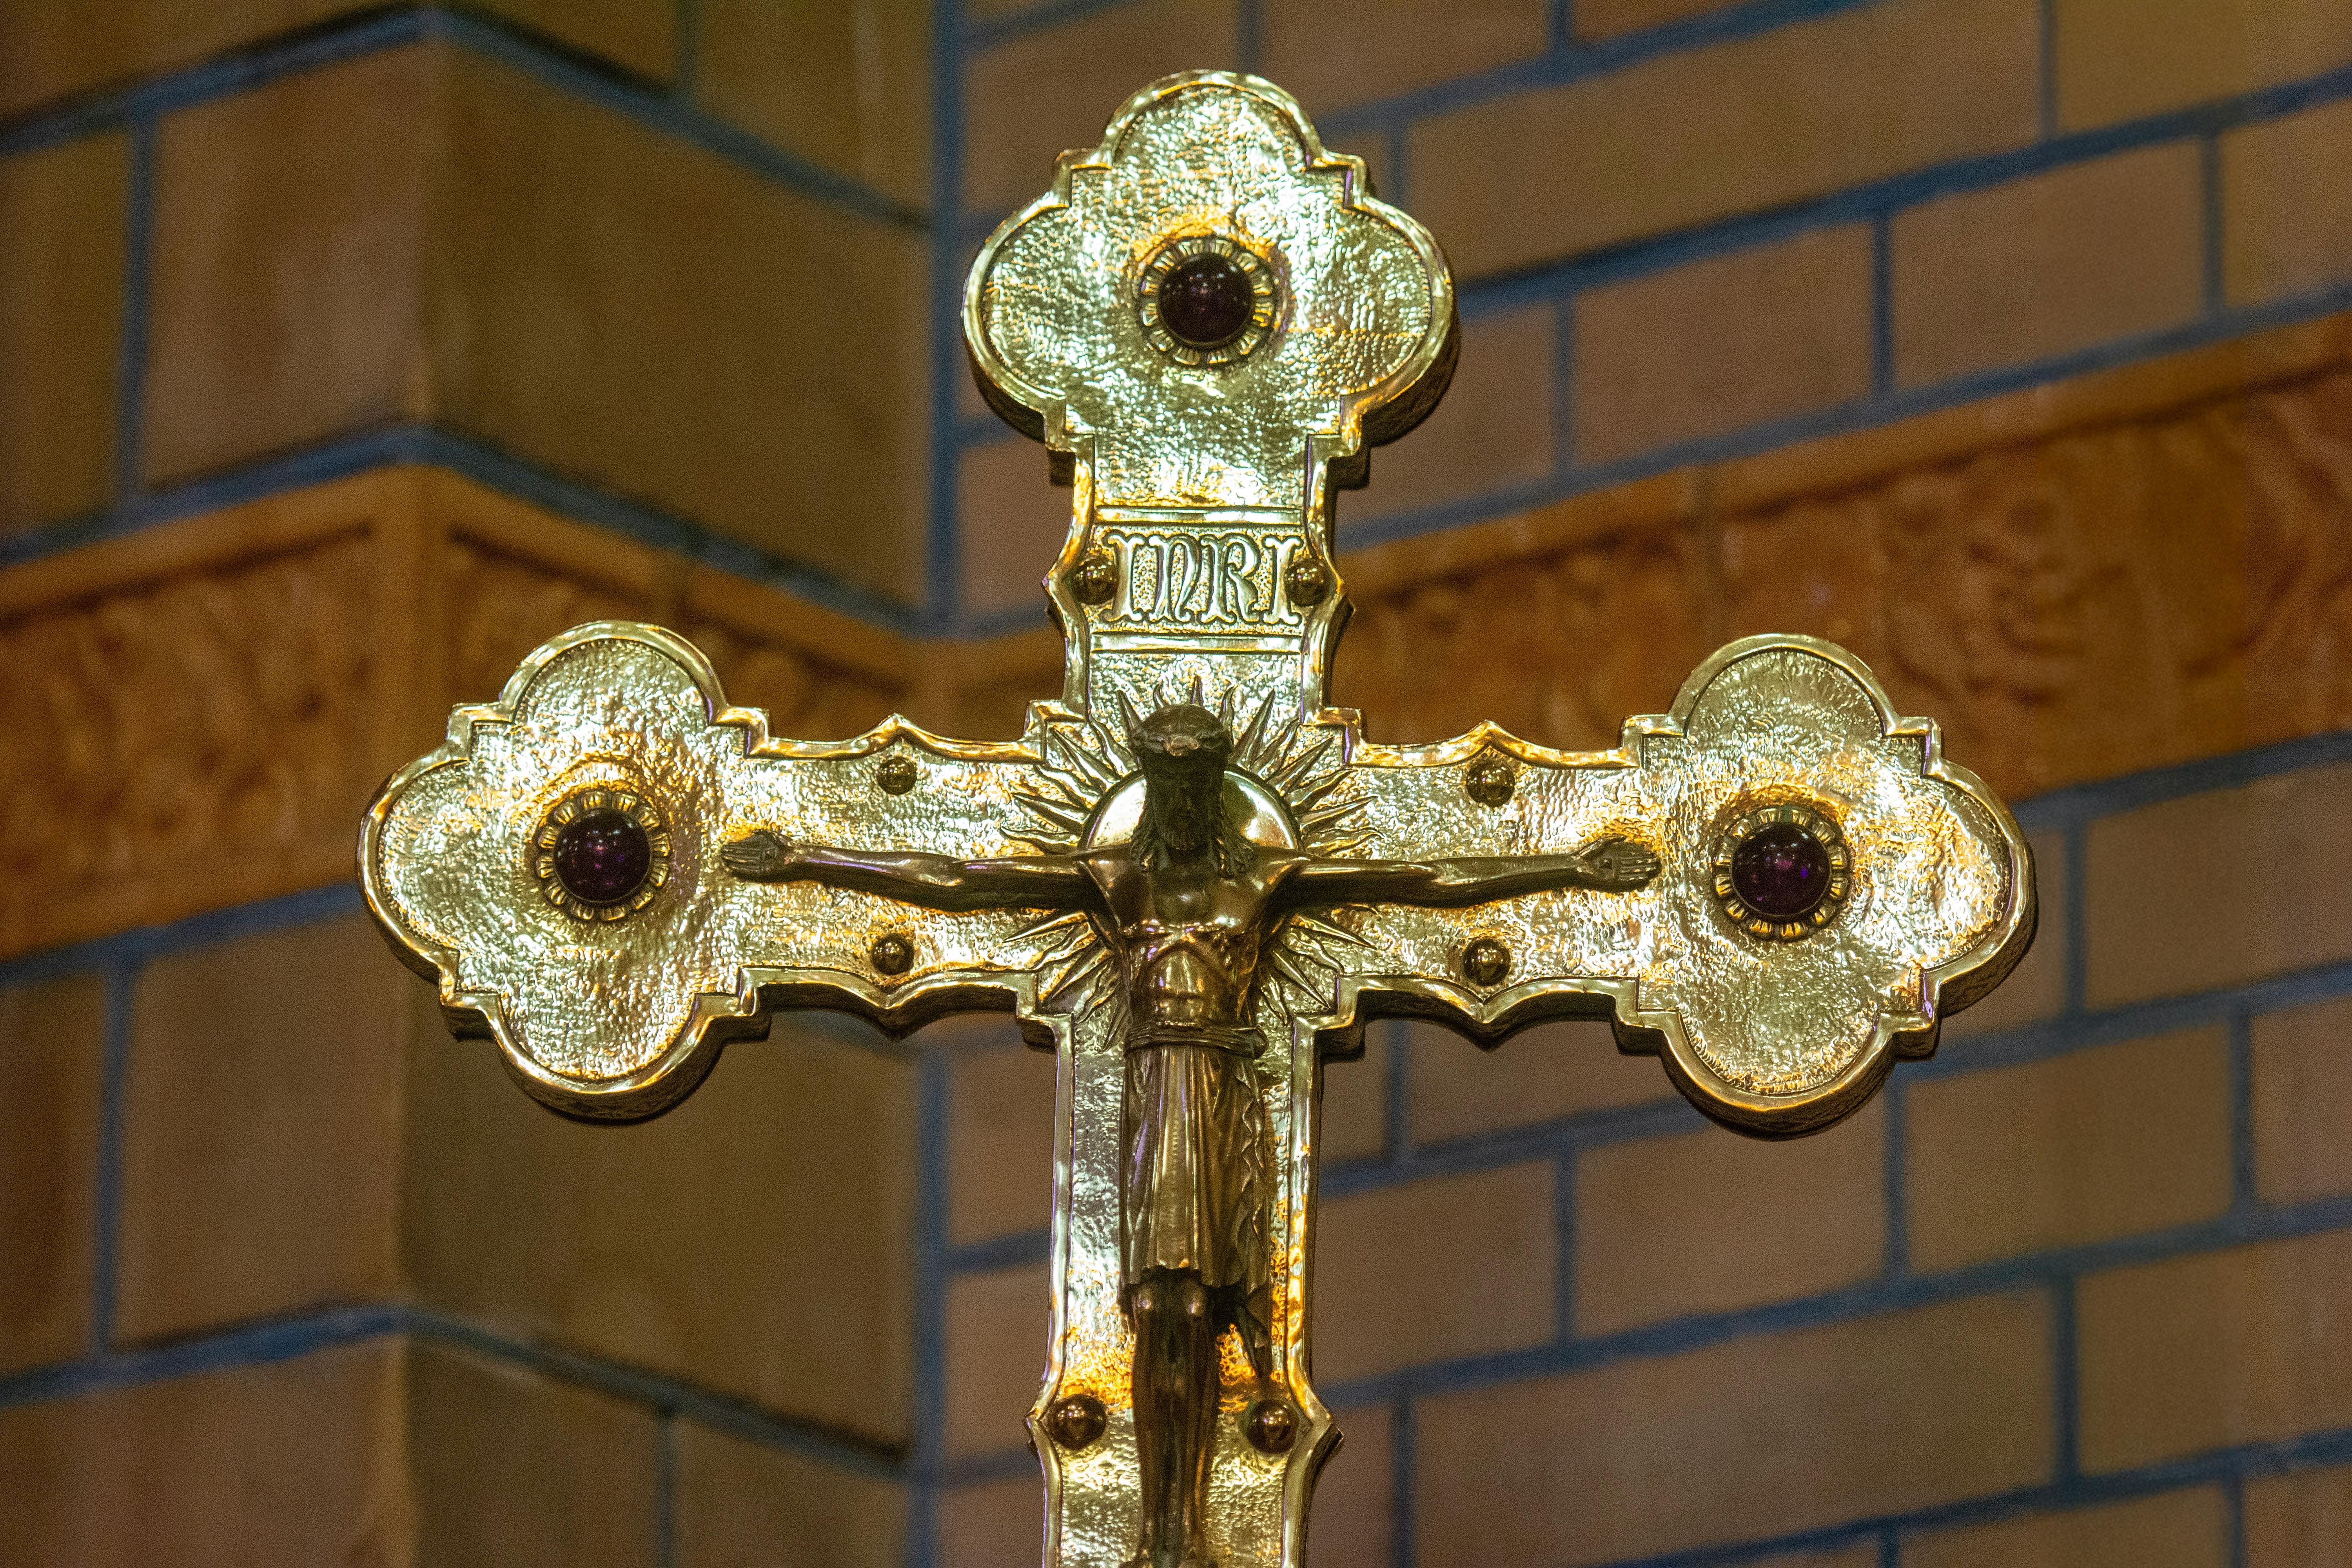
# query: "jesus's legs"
x,y
1175,1385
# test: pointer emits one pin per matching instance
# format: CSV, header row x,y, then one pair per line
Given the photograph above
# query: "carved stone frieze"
x,y
190,741
2113,593
2138,567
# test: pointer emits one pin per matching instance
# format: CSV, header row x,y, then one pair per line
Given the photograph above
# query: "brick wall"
x,y
345,353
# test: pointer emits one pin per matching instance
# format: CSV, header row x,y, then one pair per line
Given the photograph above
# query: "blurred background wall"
x,y
347,352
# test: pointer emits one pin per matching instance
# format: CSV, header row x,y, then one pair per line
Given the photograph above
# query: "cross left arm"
x,y
1605,865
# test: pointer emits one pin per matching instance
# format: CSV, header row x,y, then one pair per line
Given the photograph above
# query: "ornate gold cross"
x,y
1190,877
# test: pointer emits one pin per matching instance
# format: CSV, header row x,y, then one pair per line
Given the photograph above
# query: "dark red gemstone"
x,y
1205,301
1782,871
602,857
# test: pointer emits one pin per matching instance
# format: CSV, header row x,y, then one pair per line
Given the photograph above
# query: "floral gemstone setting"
x,y
602,854
1784,871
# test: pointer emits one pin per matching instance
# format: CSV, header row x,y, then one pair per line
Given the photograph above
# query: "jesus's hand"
x,y
761,857
1619,863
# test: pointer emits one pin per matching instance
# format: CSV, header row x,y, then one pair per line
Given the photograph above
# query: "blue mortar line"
x,y
344,457
1404,1466
1396,1091
303,1333
942,587
2075,919
2081,803
2065,1381
661,113
380,32
1842,420
1871,199
1014,1250
1894,1176
2049,83
930,1469
1563,1241
229,74
142,944
2233,1521
987,33
1563,383
121,975
2209,171
1890,1550
1882,307
1868,1298
130,347
2245,1195
666,1492
689,51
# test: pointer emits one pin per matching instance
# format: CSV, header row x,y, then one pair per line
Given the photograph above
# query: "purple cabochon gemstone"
x,y
1205,301
1782,871
602,857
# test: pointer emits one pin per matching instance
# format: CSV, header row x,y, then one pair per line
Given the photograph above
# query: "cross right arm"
x,y
934,881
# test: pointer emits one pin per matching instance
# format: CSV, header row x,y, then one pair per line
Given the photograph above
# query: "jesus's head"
x,y
1183,750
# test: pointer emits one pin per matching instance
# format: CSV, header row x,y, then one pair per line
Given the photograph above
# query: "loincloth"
x,y
1194,1143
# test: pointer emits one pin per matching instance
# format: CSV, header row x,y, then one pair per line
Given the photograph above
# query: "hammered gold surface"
x,y
1204,486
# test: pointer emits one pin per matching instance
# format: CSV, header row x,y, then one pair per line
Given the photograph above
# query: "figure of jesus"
x,y
1186,905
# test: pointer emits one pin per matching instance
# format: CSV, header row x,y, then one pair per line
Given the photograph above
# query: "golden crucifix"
x,y
1190,877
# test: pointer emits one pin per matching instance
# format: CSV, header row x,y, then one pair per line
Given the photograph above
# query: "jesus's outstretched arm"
x,y
934,881
1605,865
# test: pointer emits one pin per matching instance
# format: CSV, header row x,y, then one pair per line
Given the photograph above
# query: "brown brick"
x,y
53,1059
287,293
1763,333
997,1328
310,279
2303,1103
848,87
710,385
743,1505
2302,1520
1013,132
756,1241
1755,1437
2275,239
992,1524
262,1130
1598,19
2095,1144
1012,522
639,35
1353,1521
2036,988
1553,1070
2175,1530
1807,108
1354,1112
513,1467
1807,568
62,47
1000,1140
62,229
1707,1222
2263,865
1494,430
2049,264
58,48
2119,59
2241,1346
288,1464
1332,59
1453,1265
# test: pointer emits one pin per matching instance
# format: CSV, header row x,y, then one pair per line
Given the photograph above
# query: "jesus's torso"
x,y
1189,942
